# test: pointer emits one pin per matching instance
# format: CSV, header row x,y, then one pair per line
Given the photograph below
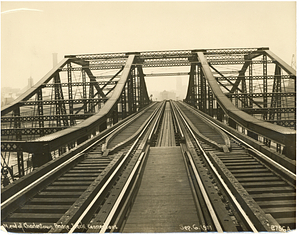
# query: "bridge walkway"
x,y
164,202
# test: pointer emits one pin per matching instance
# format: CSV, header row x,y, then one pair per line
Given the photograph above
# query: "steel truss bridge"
x,y
249,89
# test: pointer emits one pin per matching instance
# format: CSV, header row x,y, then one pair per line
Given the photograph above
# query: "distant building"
x,y
9,94
30,82
167,95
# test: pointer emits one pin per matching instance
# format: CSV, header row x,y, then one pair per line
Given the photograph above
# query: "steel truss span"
x,y
248,89
169,160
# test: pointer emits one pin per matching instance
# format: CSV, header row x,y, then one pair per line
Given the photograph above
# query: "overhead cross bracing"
x,y
84,94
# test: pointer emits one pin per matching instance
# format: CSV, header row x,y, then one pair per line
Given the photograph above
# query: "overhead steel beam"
x,y
44,118
62,101
257,95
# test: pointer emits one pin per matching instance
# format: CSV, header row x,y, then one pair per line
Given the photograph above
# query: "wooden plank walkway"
x,y
164,202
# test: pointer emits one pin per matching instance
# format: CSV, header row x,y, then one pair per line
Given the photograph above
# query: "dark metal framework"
x,y
68,96
84,94
264,87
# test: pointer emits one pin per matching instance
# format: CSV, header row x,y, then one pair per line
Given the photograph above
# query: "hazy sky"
x,y
32,33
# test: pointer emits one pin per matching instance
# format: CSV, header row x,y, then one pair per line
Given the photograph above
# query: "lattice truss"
x,y
254,79
73,91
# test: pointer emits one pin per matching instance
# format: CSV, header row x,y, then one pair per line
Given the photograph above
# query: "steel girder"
x,y
244,96
76,89
49,140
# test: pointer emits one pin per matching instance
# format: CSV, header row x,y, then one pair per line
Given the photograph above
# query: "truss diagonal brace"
x,y
94,82
241,75
277,133
283,65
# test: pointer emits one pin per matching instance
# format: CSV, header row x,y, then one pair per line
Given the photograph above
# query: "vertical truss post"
x,y
251,83
265,84
267,142
130,94
203,91
295,100
276,97
140,86
134,97
194,89
40,111
70,93
134,90
191,93
57,97
84,89
60,105
198,98
91,95
138,91
244,91
144,98
210,101
123,102
17,125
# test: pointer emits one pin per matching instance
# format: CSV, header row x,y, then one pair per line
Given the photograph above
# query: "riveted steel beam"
x,y
279,134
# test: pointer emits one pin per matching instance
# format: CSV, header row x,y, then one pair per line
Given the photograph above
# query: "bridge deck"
x,y
164,202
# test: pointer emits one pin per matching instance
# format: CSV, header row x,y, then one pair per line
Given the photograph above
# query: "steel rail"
x,y
177,121
198,179
113,211
204,194
224,185
249,146
31,185
86,211
155,126
120,197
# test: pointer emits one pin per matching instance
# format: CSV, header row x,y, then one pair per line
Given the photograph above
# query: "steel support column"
x,y
210,101
250,83
84,95
130,94
133,90
17,124
70,93
123,103
190,92
203,86
144,98
40,110
198,82
265,84
91,95
267,142
59,100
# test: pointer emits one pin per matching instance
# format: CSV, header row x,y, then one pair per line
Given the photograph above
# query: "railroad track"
x,y
55,202
231,186
262,188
